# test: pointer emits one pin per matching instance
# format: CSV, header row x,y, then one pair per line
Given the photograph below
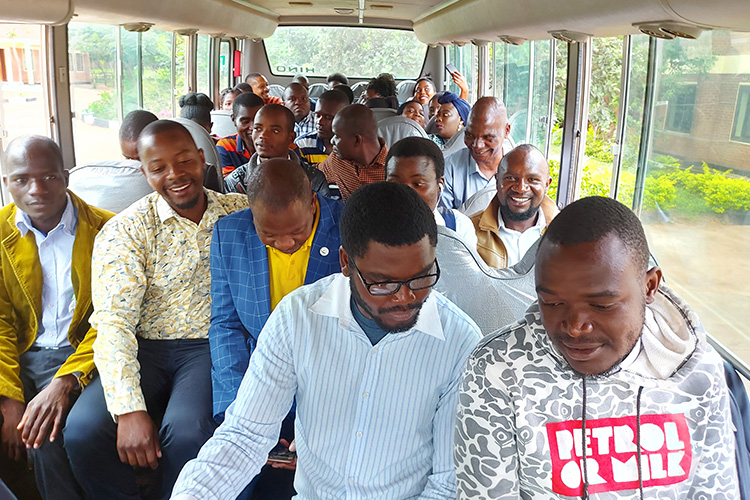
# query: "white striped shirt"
x,y
372,422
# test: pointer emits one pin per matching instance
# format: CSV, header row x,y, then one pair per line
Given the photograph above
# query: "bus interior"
x,y
646,101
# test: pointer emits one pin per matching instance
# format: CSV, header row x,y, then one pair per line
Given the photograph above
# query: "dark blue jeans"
x,y
176,384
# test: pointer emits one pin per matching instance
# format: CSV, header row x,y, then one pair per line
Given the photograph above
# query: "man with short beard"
x,y
605,389
513,222
151,404
371,356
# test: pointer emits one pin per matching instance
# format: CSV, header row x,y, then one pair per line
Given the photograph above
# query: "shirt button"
x,y
375,350
366,395
359,434
351,480
323,251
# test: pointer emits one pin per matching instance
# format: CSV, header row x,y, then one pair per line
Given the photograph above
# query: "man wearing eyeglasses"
x,y
373,359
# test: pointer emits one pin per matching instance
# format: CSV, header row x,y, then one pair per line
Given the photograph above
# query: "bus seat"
x,y
480,200
383,113
429,125
112,185
222,124
740,406
276,90
492,297
405,90
204,142
316,90
395,128
358,89
454,143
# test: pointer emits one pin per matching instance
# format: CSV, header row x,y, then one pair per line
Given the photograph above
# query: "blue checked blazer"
x,y
240,291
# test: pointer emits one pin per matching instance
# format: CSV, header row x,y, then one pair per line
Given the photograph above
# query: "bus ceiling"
x,y
434,22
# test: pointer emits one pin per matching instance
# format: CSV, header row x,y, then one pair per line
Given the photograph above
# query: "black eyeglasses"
x,y
392,287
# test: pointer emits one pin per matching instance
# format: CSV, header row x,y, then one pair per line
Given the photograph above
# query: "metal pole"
x,y
622,116
645,144
483,66
139,68
118,75
173,74
530,100
551,101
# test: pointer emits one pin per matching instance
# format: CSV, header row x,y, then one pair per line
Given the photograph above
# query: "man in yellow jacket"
x,y
520,211
46,356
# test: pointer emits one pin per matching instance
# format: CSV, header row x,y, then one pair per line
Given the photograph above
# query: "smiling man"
x,y
607,387
373,358
46,357
520,211
470,169
151,311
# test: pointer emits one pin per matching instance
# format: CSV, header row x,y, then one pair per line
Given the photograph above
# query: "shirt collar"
x,y
335,303
166,212
68,221
540,221
240,144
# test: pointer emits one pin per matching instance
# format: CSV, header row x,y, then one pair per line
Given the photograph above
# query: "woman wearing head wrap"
x,y
451,117
413,111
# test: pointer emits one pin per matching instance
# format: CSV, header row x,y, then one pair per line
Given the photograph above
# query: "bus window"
x,y
203,65
225,64
466,60
93,91
22,86
359,52
159,69
697,178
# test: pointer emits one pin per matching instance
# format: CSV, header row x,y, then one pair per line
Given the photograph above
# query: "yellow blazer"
x,y
21,296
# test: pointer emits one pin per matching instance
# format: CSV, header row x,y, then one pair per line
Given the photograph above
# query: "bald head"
x,y
488,108
277,183
526,156
20,150
356,119
486,130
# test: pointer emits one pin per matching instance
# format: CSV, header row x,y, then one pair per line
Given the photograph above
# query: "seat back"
x,y
383,113
357,89
316,90
203,141
222,124
493,298
276,90
111,185
405,90
395,128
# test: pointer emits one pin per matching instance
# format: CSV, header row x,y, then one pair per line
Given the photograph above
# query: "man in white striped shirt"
x,y
373,359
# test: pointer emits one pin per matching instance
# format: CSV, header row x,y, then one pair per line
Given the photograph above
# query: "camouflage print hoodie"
x,y
531,427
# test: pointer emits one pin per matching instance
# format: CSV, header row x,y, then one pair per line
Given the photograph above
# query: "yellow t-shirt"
x,y
287,272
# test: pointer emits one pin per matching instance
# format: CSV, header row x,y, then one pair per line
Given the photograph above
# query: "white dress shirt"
x,y
55,251
518,243
372,422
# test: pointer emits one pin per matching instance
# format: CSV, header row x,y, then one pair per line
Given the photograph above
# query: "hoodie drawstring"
x,y
638,438
585,493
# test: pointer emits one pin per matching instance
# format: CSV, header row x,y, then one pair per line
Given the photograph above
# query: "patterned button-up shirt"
x,y
151,279
350,175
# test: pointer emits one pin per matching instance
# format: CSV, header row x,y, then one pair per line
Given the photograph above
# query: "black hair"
x,y
160,126
246,100
278,108
250,76
134,123
387,213
196,107
401,108
243,88
335,96
425,79
411,147
24,143
382,85
346,89
226,91
591,219
338,77
277,183
382,102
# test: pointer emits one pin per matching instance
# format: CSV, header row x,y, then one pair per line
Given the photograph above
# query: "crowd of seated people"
x,y
278,334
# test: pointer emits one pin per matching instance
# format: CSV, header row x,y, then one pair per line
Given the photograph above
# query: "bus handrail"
x,y
739,365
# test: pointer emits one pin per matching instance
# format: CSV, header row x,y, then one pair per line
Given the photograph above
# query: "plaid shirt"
x,y
350,175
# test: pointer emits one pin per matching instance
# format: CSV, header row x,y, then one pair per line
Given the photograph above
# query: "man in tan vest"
x,y
513,221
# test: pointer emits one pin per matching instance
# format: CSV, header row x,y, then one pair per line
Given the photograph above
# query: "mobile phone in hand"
x,y
451,68
281,454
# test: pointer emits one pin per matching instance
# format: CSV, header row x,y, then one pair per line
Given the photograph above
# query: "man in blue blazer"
x,y
288,237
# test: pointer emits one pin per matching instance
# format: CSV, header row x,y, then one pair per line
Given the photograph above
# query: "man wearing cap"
x,y
472,168
289,237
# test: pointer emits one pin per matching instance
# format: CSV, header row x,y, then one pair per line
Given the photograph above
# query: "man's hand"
x,y
288,465
47,411
460,81
10,436
137,440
